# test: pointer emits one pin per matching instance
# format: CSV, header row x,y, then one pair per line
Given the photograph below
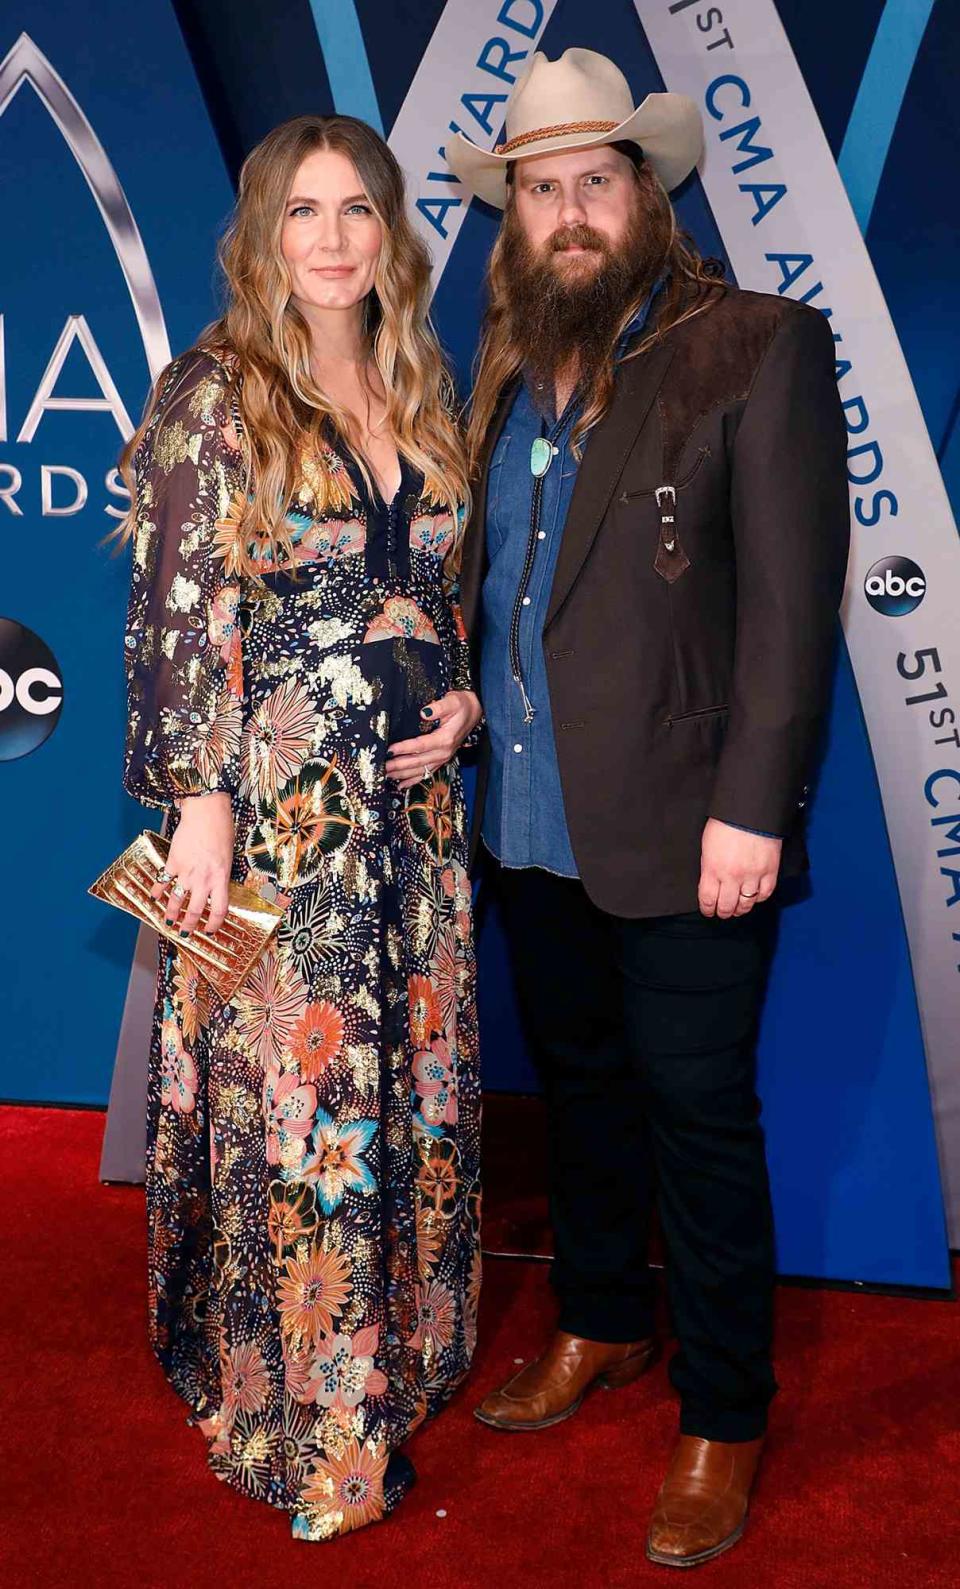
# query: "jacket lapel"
x,y
608,448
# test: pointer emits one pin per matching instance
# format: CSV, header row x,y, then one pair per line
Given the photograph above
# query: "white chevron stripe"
x,y
466,75
812,217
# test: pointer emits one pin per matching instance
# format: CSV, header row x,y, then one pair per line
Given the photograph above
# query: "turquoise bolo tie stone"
x,y
541,456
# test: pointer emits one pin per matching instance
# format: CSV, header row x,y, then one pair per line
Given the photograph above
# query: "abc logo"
x,y
895,586
31,694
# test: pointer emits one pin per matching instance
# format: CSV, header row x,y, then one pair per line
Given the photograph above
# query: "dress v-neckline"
x,y
387,501
381,496
409,478
361,458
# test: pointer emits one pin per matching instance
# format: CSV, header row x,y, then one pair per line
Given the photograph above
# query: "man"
x,y
650,582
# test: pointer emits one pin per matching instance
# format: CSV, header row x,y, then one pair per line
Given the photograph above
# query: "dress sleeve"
x,y
461,672
183,662
460,675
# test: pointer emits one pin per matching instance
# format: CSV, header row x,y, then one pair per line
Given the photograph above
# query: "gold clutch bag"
x,y
223,957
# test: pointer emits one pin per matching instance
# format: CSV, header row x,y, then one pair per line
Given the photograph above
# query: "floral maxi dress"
x,y
312,1169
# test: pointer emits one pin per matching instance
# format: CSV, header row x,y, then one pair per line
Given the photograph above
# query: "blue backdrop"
x,y
847,1106
64,969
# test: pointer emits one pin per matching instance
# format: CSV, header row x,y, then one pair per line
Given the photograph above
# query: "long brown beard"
x,y
565,316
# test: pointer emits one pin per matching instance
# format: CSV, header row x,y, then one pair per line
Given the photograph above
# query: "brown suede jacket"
x,y
693,617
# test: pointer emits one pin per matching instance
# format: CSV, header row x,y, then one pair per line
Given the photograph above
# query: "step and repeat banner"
x,y
113,190
827,168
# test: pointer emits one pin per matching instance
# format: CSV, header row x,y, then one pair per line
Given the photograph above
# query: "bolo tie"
x,y
542,454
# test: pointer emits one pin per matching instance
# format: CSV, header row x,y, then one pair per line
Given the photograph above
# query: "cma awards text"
x,y
62,489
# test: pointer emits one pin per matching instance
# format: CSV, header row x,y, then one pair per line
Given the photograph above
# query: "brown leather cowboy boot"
x,y
702,1506
552,1388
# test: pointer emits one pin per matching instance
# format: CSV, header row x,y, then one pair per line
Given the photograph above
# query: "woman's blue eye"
x,y
307,209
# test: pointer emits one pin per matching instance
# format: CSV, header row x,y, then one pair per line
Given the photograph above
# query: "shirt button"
x,y
526,601
518,748
541,535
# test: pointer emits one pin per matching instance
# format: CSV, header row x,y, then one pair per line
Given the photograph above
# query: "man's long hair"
x,y
691,287
263,335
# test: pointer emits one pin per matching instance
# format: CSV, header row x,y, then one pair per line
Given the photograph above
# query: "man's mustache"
x,y
577,237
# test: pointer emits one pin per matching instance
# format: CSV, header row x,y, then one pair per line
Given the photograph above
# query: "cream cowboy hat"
x,y
578,102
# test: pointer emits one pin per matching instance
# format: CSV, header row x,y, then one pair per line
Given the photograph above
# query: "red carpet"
x,y
106,1486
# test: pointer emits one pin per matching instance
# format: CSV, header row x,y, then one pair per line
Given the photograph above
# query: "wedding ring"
x,y
749,896
426,770
178,889
163,876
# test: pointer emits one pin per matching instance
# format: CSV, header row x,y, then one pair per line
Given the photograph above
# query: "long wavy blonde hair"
x,y
285,416
692,286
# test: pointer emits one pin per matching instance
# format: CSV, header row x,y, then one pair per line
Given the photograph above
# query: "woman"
x,y
298,688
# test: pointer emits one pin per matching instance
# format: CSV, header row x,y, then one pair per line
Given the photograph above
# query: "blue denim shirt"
x,y
524,822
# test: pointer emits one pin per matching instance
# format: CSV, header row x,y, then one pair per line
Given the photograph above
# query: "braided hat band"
x,y
561,130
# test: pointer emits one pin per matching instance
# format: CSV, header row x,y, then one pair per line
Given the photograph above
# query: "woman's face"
x,y
331,238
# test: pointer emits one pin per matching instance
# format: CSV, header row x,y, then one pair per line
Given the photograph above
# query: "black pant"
x,y
644,1034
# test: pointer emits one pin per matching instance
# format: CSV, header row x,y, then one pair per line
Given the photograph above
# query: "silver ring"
x,y
178,889
426,770
163,876
749,896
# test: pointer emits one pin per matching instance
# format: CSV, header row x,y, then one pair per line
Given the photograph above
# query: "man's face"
x,y
579,244
560,194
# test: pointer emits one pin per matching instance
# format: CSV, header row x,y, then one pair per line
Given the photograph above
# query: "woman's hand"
x,y
456,715
200,859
